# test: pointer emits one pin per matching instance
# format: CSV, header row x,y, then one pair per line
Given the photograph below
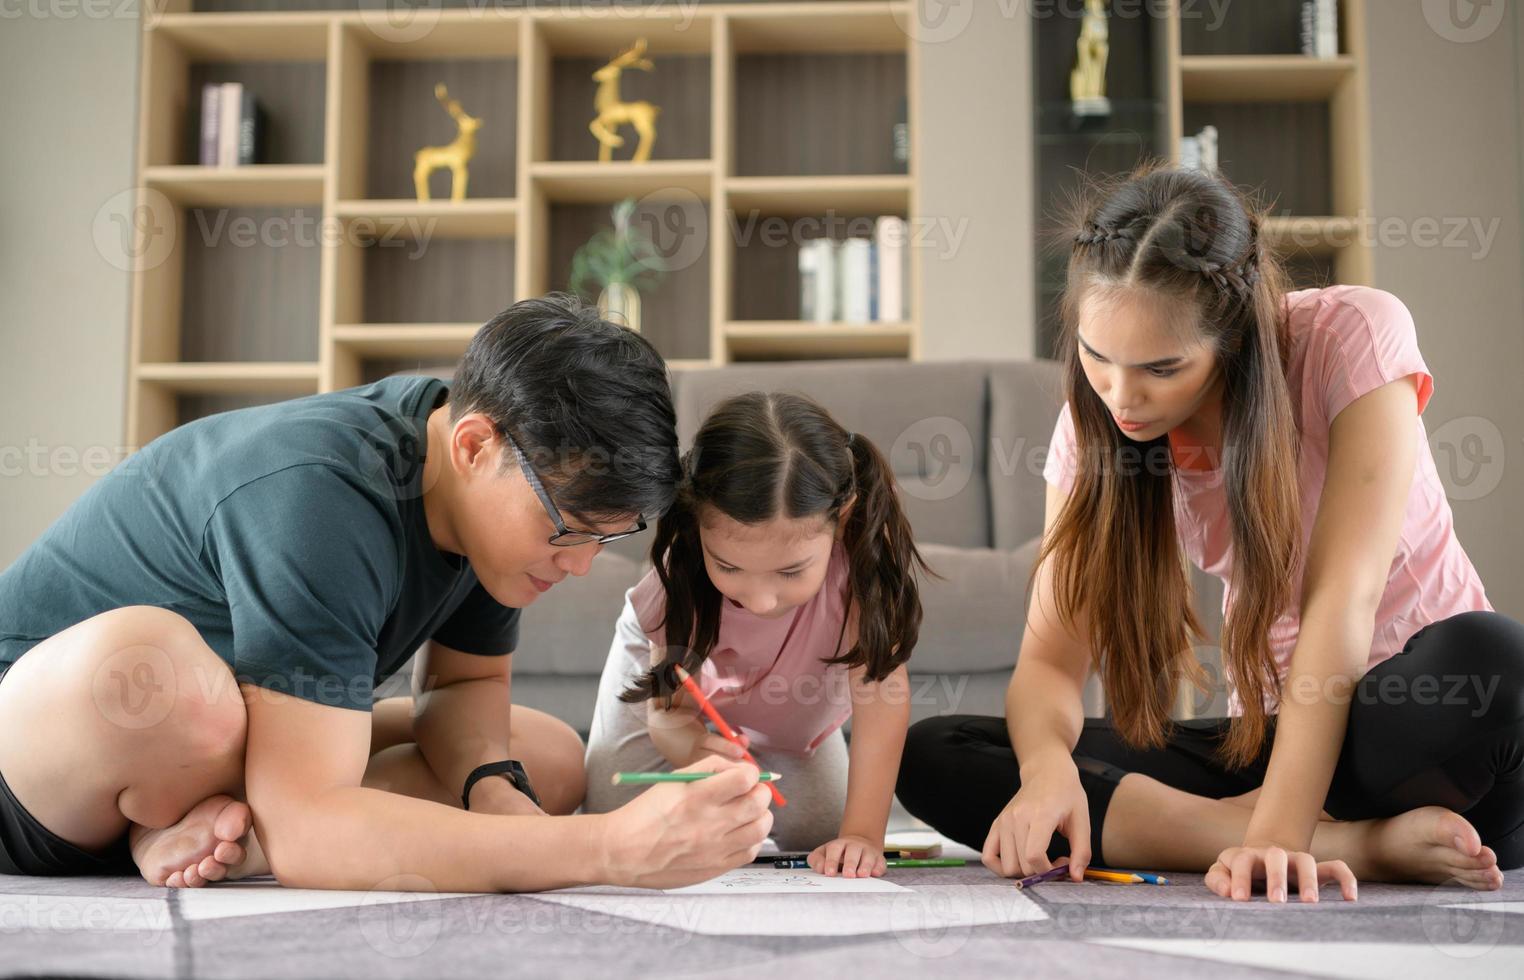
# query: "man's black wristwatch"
x,y
510,769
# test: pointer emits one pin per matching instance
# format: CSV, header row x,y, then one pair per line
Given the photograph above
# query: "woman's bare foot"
x,y
1429,844
205,845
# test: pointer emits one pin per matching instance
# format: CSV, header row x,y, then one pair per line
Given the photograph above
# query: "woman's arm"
x,y
1044,708
1371,459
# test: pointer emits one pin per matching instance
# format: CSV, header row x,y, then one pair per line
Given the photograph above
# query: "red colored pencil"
x,y
724,729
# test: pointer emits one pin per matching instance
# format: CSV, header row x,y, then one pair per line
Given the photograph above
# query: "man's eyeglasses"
x,y
564,537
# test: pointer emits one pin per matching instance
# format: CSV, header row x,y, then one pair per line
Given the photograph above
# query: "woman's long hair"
x,y
762,456
1192,237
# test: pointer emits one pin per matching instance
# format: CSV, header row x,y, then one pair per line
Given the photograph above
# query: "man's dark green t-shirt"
x,y
291,535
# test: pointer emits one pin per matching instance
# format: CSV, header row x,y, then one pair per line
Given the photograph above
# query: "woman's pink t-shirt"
x,y
1345,342
765,676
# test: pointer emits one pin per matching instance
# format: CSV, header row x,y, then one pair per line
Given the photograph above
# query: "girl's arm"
x,y
680,734
880,717
1371,458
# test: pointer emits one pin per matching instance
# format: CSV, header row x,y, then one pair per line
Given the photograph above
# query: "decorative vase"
x,y
620,303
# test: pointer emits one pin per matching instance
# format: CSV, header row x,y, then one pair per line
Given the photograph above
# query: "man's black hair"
x,y
587,400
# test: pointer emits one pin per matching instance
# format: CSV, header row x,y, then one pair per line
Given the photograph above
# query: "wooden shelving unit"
x,y
1293,126
1305,120
345,276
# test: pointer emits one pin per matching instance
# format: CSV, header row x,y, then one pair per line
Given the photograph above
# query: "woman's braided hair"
x,y
1237,278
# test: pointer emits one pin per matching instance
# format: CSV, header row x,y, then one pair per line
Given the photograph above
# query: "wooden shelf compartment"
x,y
431,341
288,36
578,182
255,185
822,28
414,219
223,378
1263,78
797,196
796,340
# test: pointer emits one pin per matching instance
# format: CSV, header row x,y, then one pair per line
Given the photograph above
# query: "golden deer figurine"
x,y
454,155
614,112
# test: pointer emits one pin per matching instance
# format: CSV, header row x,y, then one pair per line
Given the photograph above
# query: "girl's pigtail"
x,y
883,562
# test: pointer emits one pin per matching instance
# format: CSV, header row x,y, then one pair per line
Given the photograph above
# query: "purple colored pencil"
x,y
1049,875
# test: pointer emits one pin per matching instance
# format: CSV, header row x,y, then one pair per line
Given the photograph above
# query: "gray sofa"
x,y
967,441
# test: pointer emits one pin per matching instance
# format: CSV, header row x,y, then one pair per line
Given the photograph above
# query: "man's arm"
x,y
321,829
462,703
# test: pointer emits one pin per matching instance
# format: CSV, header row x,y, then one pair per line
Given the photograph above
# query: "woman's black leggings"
x,y
1441,723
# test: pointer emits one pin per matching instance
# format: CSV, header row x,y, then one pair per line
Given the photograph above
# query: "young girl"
x,y
1273,439
784,583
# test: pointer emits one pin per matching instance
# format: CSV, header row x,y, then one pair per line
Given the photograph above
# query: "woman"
x,y
1271,438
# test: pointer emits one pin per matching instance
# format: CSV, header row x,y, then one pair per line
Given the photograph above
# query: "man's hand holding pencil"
x,y
676,834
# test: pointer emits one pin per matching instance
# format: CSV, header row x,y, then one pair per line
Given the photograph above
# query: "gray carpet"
x,y
964,920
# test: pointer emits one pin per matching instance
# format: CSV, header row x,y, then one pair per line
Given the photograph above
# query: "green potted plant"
x,y
619,262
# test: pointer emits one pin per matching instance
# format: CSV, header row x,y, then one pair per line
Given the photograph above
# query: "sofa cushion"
x,y
927,418
569,629
1025,399
974,614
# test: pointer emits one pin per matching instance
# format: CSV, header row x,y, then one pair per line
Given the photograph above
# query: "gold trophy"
x,y
455,155
1087,82
614,112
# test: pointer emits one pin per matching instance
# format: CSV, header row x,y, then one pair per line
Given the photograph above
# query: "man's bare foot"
x,y
205,845
1429,844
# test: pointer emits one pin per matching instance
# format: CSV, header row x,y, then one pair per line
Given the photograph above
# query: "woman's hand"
x,y
1238,868
850,856
1051,798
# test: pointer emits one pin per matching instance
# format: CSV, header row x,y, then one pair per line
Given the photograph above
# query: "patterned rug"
x,y
941,920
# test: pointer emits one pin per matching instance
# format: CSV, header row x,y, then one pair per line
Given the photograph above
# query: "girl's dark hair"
x,y
1194,238
761,456
588,401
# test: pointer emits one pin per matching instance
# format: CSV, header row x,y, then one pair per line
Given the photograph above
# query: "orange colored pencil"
x,y
724,729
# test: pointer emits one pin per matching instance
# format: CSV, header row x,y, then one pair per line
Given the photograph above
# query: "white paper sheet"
x,y
263,896
773,881
918,916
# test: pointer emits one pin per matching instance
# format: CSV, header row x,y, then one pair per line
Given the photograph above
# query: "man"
x,y
189,652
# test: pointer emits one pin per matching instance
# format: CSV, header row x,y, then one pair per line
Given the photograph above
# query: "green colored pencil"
x,y
925,863
648,778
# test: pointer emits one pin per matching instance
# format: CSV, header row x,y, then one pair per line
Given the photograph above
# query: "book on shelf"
x,y
859,280
891,269
855,280
1320,28
232,125
900,137
817,280
211,117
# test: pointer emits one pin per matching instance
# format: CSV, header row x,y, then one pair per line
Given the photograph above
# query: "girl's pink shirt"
x,y
765,676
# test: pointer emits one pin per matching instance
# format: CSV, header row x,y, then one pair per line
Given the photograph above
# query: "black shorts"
x,y
29,848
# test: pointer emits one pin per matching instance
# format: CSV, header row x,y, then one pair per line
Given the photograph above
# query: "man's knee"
x,y
559,751
155,679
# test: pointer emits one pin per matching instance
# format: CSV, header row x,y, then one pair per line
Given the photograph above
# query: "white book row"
x,y
857,280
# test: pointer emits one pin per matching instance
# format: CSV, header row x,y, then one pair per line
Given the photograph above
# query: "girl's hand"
x,y
1238,868
1049,799
713,743
850,856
